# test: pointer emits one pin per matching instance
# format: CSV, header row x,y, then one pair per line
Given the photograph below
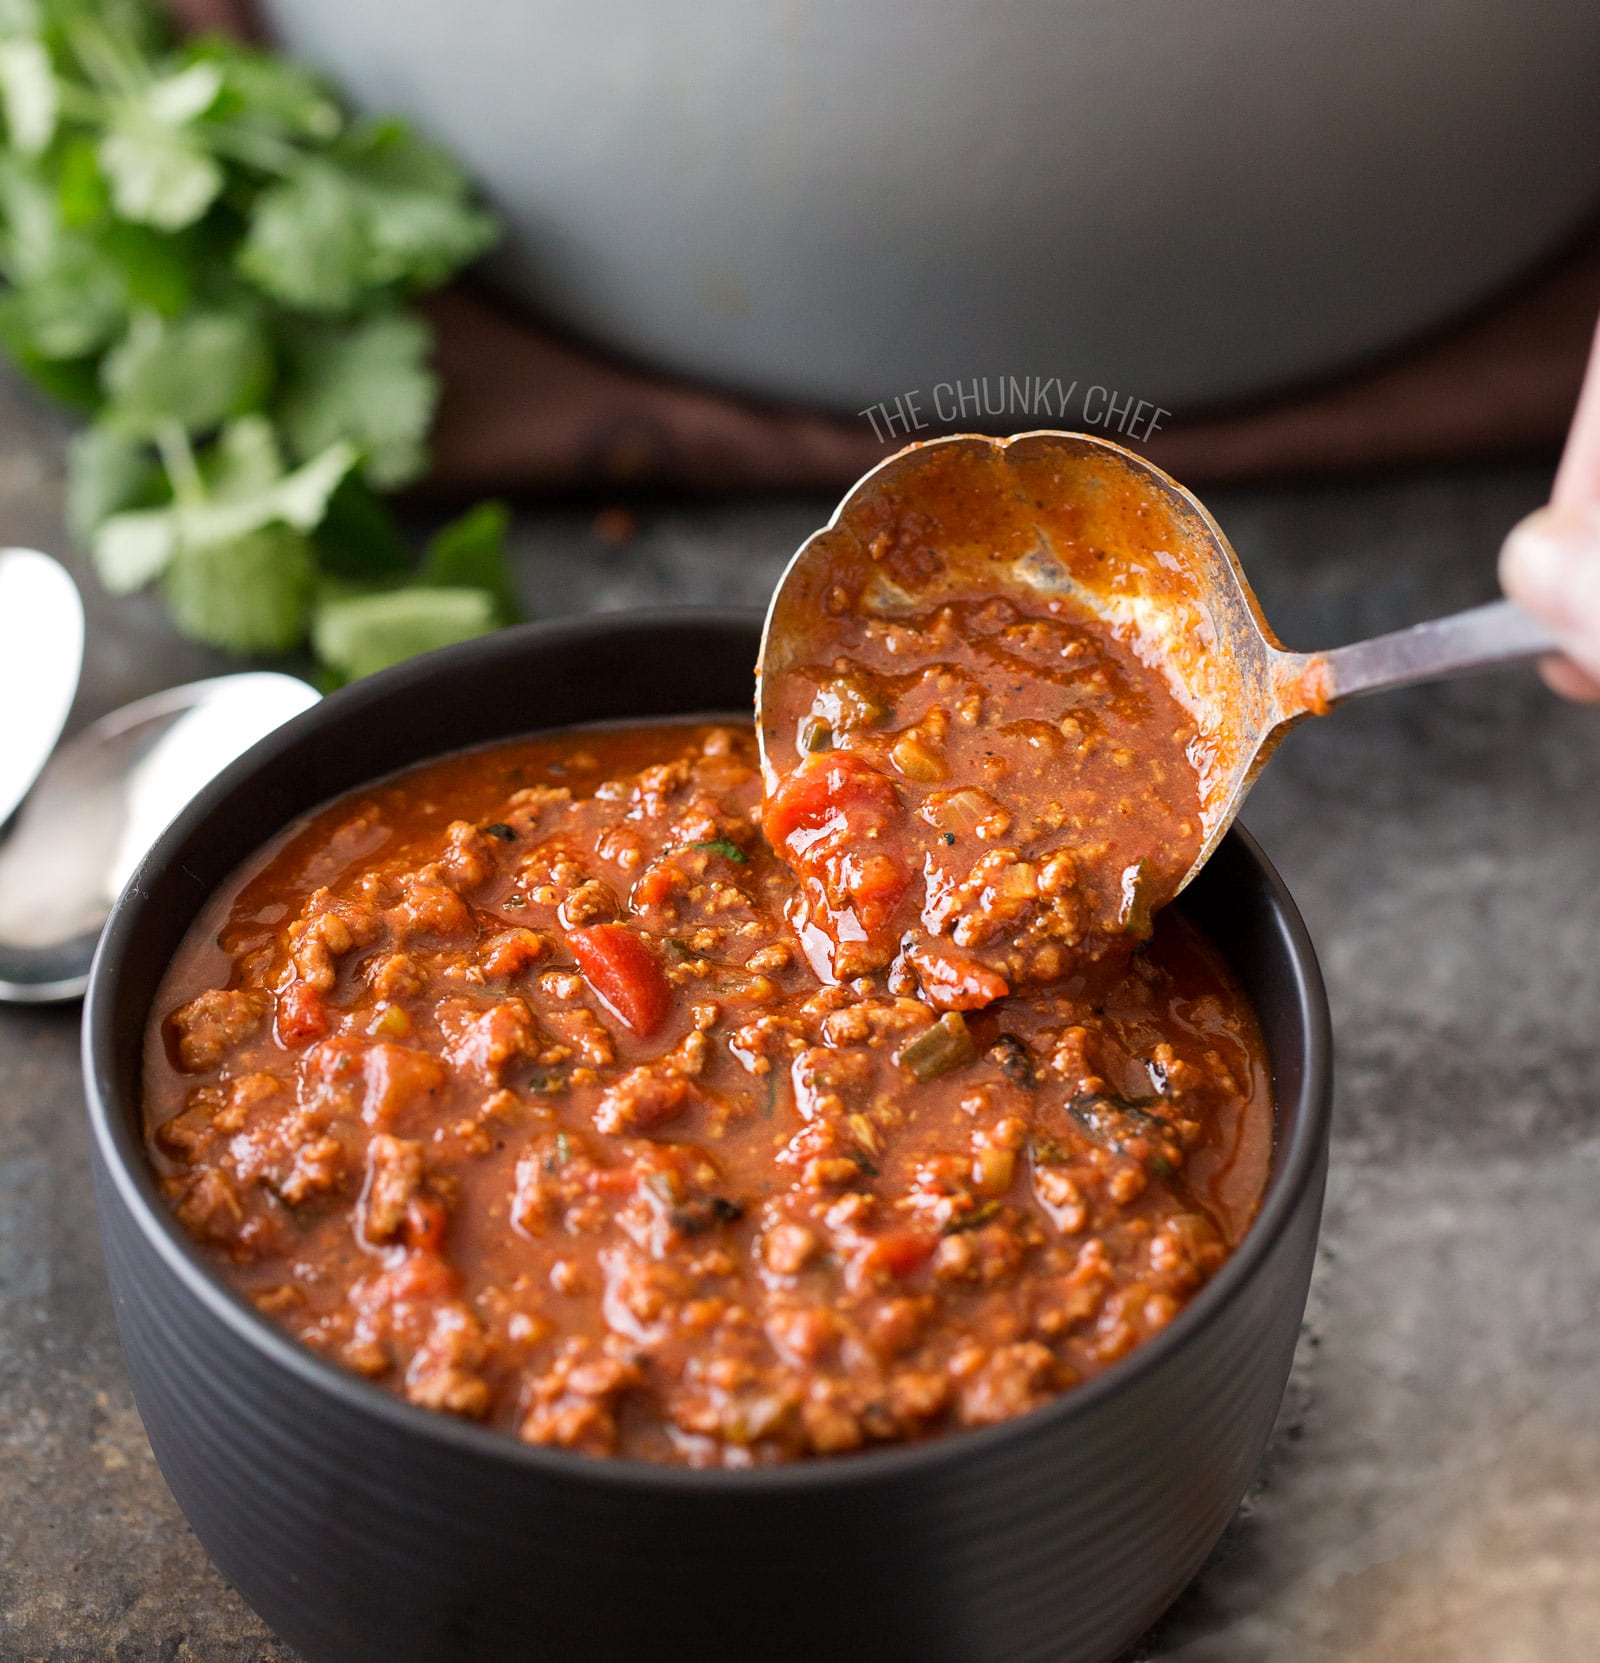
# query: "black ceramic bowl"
x,y
363,1528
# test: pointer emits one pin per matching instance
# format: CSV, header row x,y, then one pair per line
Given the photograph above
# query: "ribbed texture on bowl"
x,y
363,1529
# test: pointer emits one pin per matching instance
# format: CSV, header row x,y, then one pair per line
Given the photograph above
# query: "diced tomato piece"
x,y
951,981
895,1254
901,1252
829,820
302,1016
625,972
830,791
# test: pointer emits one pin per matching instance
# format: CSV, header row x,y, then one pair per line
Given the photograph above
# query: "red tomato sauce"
x,y
536,1087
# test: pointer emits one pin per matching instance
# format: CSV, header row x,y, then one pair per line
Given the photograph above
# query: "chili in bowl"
x,y
506,1079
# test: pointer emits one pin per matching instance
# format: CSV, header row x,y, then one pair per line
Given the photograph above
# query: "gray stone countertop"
x,y
1432,1494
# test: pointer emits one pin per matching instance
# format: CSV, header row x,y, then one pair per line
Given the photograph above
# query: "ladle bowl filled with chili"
x,y
538,1227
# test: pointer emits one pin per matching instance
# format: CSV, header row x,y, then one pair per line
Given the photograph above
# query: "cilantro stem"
x,y
177,457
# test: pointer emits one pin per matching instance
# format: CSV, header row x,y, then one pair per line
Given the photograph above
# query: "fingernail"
x,y
1546,558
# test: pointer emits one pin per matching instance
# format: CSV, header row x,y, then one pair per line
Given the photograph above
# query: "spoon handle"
x,y
1479,639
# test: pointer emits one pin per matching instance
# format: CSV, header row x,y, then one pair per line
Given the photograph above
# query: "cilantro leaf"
x,y
368,382
69,313
152,266
196,370
30,234
67,300
377,210
267,93
27,94
29,231
306,245
248,594
153,156
106,471
422,225
134,547
173,100
246,461
471,553
160,177
724,847
359,537
301,498
358,635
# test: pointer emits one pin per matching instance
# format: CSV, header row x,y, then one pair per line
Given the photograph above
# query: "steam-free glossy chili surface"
x,y
508,1084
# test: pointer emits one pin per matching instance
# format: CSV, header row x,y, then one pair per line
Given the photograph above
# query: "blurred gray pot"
x,y
836,201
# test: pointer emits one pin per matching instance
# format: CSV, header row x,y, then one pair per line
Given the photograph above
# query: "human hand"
x,y
1551,561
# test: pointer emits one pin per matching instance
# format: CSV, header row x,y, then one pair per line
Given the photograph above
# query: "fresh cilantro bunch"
x,y
205,254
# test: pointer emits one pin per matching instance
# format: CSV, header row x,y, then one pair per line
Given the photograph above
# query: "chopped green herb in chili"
x,y
721,846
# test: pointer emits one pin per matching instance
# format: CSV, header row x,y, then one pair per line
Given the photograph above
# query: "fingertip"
x,y
1570,680
1537,559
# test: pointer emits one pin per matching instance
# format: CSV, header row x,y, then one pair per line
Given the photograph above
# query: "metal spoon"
x,y
1066,514
41,618
104,798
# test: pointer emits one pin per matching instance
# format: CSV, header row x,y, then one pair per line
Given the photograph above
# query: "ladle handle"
x,y
1479,639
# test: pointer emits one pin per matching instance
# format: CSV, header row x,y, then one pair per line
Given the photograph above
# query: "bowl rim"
x,y
125,1163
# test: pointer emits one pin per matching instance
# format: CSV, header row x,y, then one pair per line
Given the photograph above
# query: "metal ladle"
x,y
105,796
1048,514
